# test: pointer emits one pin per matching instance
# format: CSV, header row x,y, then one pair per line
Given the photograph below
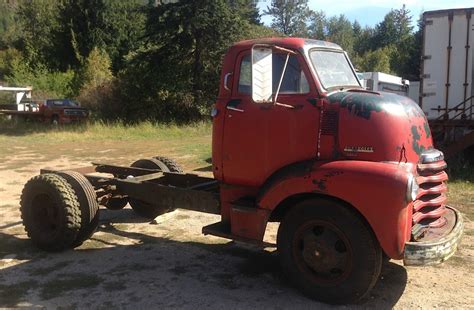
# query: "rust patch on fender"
x,y
321,184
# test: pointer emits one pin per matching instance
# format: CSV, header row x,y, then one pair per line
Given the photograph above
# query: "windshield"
x,y
333,69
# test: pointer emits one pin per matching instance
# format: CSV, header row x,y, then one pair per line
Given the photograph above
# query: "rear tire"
x,y
150,163
50,212
172,165
328,251
142,208
87,202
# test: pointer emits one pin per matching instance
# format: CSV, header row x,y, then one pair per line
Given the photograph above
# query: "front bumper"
x,y
437,250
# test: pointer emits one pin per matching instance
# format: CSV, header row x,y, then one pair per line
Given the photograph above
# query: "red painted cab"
x,y
351,174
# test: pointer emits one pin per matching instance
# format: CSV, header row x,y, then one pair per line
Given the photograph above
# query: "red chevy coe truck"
x,y
351,175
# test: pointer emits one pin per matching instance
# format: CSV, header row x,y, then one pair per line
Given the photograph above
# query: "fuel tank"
x,y
375,126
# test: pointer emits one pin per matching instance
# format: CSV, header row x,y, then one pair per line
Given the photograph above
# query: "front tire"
x,y
328,251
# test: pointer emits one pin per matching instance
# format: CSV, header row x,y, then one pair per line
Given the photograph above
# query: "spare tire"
x,y
87,202
142,208
50,212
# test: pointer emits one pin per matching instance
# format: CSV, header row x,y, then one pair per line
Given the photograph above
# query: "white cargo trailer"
x,y
379,81
447,71
414,91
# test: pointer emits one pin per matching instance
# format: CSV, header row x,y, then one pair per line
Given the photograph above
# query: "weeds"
x,y
98,130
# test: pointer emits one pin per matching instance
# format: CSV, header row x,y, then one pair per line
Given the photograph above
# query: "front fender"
x,y
377,190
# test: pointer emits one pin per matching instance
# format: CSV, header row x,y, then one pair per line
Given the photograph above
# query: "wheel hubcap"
x,y
323,251
46,213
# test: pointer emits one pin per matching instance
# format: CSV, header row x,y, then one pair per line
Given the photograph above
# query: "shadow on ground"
x,y
160,272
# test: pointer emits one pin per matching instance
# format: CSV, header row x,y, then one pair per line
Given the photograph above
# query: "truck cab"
x,y
293,126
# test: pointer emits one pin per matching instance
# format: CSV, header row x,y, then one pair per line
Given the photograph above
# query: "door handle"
x,y
234,109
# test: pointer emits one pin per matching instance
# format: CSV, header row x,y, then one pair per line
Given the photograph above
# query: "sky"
x,y
371,12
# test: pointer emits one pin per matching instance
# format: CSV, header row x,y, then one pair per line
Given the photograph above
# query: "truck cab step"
x,y
223,230
245,204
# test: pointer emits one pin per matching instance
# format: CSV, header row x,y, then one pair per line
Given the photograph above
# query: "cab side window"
x,y
245,77
294,81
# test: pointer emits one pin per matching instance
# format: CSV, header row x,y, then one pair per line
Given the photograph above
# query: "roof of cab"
x,y
294,43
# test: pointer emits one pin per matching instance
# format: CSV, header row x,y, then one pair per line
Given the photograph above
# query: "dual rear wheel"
x,y
59,210
158,163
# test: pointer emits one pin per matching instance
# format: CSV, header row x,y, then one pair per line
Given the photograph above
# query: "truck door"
x,y
262,138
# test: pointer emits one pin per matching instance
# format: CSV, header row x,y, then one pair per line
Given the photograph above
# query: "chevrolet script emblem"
x,y
359,149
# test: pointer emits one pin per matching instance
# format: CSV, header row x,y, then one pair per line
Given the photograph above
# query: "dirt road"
x,y
132,263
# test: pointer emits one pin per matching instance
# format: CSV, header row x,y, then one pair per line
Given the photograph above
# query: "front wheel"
x,y
328,251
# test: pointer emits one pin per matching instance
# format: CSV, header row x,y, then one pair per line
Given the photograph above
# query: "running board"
x,y
222,229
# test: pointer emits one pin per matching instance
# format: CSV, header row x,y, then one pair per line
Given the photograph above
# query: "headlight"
x,y
412,188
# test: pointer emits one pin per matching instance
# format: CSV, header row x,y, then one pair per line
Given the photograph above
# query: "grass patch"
x,y
67,283
461,167
461,196
102,131
114,143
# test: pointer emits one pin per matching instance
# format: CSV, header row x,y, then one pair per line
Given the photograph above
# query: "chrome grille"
x,y
430,203
75,112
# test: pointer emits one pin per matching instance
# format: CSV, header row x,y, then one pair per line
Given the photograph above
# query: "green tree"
x,y
247,9
363,40
38,21
413,48
317,28
394,29
46,83
97,69
96,82
8,59
8,24
377,61
175,76
339,31
289,16
115,26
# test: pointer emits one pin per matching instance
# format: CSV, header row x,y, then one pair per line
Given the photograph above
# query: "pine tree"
x,y
290,17
246,9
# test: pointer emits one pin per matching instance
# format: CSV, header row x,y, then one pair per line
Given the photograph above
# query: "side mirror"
x,y
262,77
